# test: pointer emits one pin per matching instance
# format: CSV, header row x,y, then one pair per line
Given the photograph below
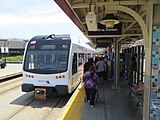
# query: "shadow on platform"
x,y
113,104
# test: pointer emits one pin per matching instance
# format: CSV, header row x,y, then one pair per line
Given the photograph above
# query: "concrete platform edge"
x,y
76,101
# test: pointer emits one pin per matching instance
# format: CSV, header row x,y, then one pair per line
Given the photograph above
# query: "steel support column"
x,y
138,63
142,62
116,63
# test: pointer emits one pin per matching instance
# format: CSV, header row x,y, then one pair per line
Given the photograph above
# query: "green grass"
x,y
14,58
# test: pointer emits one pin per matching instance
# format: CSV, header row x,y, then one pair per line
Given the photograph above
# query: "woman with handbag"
x,y
90,80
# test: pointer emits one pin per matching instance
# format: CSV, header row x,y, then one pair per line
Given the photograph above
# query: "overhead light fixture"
x,y
91,20
109,20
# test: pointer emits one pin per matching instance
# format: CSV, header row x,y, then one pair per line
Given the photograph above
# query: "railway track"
x,y
10,77
17,105
7,85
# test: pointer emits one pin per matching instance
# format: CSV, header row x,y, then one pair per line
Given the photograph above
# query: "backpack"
x,y
90,84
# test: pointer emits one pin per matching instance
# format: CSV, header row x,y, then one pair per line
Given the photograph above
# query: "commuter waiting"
x,y
133,69
101,67
107,67
88,64
90,80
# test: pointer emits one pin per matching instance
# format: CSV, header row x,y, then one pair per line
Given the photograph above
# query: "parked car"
x,y
2,64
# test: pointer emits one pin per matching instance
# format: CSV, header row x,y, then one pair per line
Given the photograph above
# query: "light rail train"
x,y
54,62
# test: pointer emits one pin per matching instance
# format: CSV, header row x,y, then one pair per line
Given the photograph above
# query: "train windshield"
x,y
46,58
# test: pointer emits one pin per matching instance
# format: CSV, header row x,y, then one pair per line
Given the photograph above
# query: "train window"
x,y
80,59
85,58
31,61
46,61
62,60
48,58
74,64
62,57
41,58
89,55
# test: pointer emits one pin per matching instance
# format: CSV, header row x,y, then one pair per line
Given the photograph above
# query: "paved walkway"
x,y
113,104
10,70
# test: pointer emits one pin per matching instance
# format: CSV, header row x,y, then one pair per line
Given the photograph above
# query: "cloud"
x,y
13,20
35,15
25,19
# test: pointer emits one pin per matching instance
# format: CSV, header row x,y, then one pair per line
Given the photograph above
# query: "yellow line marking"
x,y
70,102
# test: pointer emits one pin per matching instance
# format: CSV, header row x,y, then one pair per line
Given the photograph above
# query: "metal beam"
x,y
99,4
123,21
142,15
81,5
131,35
70,13
76,1
123,35
99,36
126,16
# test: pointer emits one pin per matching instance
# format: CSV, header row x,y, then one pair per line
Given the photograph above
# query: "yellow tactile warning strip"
x,y
10,74
75,105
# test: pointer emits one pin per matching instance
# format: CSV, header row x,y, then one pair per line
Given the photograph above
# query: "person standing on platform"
x,y
107,67
101,67
132,70
88,64
90,80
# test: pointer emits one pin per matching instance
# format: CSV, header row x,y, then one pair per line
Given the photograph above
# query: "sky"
x,y
27,18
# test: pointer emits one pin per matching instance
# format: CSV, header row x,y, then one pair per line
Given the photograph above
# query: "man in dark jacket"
x,y
88,64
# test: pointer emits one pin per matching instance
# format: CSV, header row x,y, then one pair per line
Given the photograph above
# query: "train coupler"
x,y
40,93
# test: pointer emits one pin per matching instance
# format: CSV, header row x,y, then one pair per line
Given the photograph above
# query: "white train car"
x,y
54,61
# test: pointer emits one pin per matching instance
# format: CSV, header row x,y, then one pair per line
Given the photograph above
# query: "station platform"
x,y
10,70
112,104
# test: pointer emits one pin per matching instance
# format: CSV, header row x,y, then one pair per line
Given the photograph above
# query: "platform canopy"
x,y
105,21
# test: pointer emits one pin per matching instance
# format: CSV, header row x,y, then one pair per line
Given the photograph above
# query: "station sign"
x,y
4,50
102,41
102,30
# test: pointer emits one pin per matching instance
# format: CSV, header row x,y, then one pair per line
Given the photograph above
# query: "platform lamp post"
x,y
109,21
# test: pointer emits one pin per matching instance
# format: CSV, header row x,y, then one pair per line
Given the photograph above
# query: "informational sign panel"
x,y
102,30
4,50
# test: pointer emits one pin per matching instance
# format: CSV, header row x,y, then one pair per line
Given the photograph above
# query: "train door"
x,y
80,65
74,64
74,70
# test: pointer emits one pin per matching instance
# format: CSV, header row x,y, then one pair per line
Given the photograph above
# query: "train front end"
x,y
45,63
